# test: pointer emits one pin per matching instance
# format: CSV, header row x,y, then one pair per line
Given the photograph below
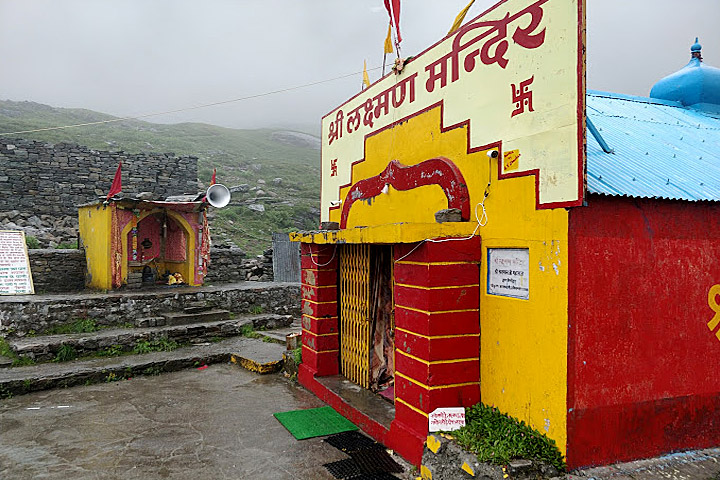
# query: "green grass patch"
x,y
297,354
22,361
17,361
65,354
80,325
248,331
31,242
497,438
152,371
5,349
111,351
162,344
257,309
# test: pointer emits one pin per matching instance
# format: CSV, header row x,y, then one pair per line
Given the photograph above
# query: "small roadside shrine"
x,y
493,232
150,239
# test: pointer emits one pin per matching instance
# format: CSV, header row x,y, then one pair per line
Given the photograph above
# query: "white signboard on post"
x,y
15,276
446,419
509,272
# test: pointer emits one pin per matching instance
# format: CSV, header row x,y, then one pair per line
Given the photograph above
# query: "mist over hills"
x,y
274,174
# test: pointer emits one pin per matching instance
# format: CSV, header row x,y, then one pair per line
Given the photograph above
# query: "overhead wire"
x,y
186,109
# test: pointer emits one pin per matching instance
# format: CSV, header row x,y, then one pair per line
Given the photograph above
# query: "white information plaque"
x,y
15,276
509,272
446,419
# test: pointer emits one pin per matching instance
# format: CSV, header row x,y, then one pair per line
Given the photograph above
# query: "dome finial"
x,y
695,50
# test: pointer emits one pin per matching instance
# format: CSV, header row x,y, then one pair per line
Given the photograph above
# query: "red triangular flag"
x,y
396,18
394,14
116,184
212,182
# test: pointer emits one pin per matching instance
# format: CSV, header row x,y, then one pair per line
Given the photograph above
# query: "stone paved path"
x,y
214,423
695,465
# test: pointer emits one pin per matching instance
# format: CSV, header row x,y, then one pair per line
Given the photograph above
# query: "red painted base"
x,y
399,437
641,430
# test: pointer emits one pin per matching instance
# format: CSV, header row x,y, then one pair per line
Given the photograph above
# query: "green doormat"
x,y
314,422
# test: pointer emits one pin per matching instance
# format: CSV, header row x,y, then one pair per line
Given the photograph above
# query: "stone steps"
x,y
254,354
279,335
47,347
185,318
27,314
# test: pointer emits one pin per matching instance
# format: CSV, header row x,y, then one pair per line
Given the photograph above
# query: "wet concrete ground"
x,y
214,423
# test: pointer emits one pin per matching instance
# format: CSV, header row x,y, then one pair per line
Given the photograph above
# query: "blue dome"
x,y
696,46
696,83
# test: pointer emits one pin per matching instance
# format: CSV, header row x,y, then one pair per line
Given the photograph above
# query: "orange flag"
x,y
460,18
388,40
366,78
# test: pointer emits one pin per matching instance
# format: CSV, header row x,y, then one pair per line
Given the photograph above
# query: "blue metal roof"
x,y
661,149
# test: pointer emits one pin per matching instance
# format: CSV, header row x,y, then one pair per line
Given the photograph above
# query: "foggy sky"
x,y
131,57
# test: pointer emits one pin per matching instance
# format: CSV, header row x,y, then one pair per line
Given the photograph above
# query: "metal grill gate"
x,y
355,313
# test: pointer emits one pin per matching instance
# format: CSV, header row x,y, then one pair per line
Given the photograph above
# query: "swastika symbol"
x,y
715,307
522,97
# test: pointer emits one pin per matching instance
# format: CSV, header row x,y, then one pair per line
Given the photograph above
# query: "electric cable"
x,y
186,109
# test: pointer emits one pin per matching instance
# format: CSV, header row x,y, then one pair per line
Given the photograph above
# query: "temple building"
x,y
528,244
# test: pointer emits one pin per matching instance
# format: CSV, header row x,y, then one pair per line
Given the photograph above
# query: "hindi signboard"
x,y
509,272
15,276
514,76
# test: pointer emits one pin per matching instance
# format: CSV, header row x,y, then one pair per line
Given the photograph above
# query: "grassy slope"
x,y
240,156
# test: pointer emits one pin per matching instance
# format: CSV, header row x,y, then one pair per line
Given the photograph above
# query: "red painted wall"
x,y
643,377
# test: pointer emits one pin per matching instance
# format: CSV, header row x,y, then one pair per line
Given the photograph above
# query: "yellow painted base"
x,y
257,367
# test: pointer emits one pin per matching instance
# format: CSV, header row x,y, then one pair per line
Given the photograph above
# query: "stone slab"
x,y
260,357
186,318
20,380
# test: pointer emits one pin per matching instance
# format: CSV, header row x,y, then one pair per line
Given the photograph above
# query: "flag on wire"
x,y
366,78
116,186
460,18
388,40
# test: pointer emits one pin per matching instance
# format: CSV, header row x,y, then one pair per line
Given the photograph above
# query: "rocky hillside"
x,y
273,174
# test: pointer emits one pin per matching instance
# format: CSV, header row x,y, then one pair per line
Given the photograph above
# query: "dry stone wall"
x,y
20,315
57,271
228,265
63,271
42,184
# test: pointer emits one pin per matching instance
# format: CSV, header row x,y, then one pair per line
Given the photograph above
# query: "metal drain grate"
x,y
373,461
368,459
349,469
352,442
375,476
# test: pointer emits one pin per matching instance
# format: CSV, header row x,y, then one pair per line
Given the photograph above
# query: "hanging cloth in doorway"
x,y
115,248
382,353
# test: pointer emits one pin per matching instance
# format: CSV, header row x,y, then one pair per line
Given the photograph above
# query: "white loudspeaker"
x,y
218,195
